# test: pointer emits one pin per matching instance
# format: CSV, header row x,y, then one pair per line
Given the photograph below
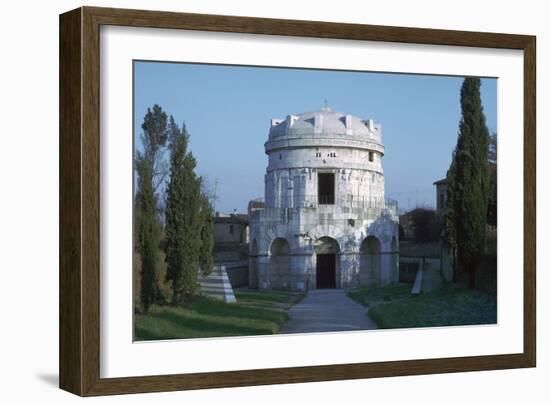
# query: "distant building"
x,y
407,225
325,221
231,233
232,228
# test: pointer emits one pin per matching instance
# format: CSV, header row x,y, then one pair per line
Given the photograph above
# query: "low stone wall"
x,y
417,285
408,268
424,273
412,249
237,271
230,252
238,274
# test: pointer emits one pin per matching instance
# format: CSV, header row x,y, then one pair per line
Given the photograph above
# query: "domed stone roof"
x,y
324,122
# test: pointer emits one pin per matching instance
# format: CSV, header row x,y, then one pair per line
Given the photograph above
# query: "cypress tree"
x,y
153,138
147,235
182,217
470,179
206,259
150,171
450,216
492,206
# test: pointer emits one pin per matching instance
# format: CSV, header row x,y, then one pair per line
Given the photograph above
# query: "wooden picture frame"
x,y
80,185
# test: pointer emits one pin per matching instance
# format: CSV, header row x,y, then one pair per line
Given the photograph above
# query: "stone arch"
x,y
279,247
327,263
326,244
279,263
371,244
326,231
370,262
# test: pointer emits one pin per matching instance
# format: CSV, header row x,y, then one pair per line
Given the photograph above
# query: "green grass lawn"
x,y
374,296
255,313
448,306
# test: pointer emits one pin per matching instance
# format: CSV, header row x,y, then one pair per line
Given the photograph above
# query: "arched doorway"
x,y
369,264
327,254
279,247
279,263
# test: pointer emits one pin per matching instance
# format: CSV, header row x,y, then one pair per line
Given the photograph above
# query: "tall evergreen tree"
x,y
154,136
183,219
147,235
450,216
149,168
206,259
492,207
469,179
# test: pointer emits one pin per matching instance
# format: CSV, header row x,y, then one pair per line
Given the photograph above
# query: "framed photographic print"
x,y
249,201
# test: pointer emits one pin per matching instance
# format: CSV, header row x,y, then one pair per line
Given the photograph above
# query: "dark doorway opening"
x,y
326,270
325,188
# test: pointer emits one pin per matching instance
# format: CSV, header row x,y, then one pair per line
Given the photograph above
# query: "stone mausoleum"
x,y
324,221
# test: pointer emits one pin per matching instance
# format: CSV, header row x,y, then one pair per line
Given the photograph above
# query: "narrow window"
x,y
231,229
371,156
325,188
280,156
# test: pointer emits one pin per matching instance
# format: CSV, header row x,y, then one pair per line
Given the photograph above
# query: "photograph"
x,y
286,199
273,200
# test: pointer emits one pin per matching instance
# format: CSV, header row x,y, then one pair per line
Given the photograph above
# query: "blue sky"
x,y
227,110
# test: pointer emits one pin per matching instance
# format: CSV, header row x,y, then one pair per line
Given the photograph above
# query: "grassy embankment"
x,y
454,304
255,313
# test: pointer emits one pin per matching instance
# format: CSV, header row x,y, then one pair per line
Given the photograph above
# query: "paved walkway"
x,y
327,311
